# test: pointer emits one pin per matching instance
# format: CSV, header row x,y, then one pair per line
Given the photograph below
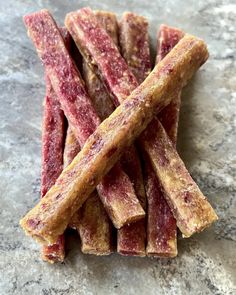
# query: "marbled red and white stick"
x,y
53,136
189,206
134,45
161,226
115,189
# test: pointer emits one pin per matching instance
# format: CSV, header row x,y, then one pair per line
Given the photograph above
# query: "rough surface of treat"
x,y
134,43
167,38
53,135
98,49
49,218
79,111
189,206
91,220
161,225
93,40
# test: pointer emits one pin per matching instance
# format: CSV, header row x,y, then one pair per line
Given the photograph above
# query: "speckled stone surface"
x,y
206,263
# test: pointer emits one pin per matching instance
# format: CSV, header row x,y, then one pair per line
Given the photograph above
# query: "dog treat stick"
x,y
115,190
169,117
91,220
51,215
52,153
130,160
134,42
161,226
193,213
53,135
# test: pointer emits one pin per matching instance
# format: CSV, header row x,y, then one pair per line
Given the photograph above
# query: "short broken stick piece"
x,y
115,190
51,215
161,225
91,220
98,49
134,43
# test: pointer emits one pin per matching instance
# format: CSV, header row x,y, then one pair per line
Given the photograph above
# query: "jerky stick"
x,y
134,41
161,227
169,116
52,160
91,220
115,190
52,150
104,106
97,48
99,95
134,236
51,215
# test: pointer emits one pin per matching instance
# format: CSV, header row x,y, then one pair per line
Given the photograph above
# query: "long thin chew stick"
x,y
194,213
53,133
161,226
91,221
53,136
50,216
130,243
134,42
115,190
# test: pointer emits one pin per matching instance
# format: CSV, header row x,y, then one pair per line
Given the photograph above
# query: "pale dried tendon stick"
x,y
50,216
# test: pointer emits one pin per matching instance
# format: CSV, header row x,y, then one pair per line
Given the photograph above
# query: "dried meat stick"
x,y
51,215
99,95
98,49
161,226
130,160
115,190
130,243
167,38
91,220
134,43
52,160
52,153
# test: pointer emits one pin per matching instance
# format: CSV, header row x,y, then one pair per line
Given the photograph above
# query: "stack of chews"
x,y
110,168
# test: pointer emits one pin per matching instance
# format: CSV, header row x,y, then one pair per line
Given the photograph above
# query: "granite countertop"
x,y
206,263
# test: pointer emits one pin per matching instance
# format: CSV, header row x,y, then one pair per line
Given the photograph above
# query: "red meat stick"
x,y
52,160
134,43
91,220
130,160
189,206
161,227
53,136
115,190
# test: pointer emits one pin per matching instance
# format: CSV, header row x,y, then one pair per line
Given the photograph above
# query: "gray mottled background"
x,y
206,262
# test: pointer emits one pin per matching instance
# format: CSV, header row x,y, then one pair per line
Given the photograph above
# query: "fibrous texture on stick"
x,y
50,216
134,43
161,226
115,190
194,213
53,136
91,220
